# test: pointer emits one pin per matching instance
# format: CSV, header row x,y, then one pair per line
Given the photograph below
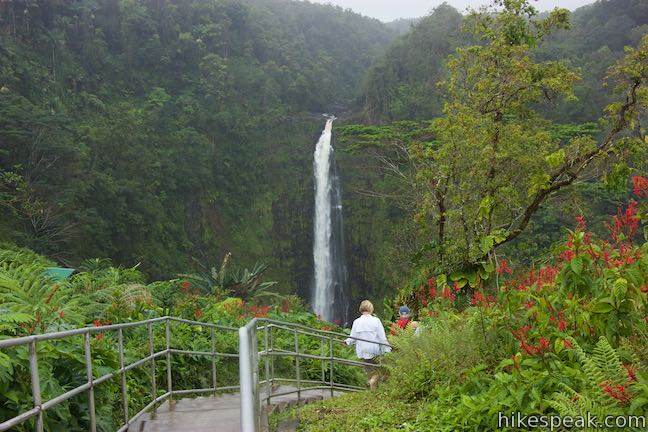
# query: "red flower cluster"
x,y
580,219
632,372
424,296
544,276
626,255
625,223
447,294
640,186
185,286
479,299
99,323
560,321
618,392
259,312
503,267
432,287
539,349
567,255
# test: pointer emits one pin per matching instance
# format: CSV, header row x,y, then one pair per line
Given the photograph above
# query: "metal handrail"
x,y
249,365
249,355
39,406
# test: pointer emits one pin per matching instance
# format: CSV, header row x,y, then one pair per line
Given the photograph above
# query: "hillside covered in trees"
x,y
161,131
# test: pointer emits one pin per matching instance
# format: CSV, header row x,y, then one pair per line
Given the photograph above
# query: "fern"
x,y
25,291
602,368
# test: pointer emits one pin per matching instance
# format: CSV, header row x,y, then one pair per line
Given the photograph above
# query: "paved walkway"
x,y
215,413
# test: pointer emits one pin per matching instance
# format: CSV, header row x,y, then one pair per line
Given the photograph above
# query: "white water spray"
x,y
328,245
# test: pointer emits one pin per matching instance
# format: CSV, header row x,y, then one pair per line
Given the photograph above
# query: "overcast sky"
x,y
389,10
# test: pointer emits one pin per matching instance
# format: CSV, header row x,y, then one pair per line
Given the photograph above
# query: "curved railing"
x,y
258,340
40,406
250,355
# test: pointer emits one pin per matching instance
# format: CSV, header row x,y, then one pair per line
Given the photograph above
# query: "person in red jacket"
x,y
403,317
403,321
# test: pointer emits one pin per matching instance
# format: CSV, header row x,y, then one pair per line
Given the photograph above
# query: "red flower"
x,y
62,314
640,186
447,294
432,287
625,223
567,255
618,392
98,337
568,344
632,371
325,327
184,286
97,323
644,289
562,324
581,222
503,267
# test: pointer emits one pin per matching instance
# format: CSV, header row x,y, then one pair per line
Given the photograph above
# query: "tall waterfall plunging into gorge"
x,y
329,297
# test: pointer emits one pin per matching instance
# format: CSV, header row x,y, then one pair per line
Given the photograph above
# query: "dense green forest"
x,y
166,131
401,85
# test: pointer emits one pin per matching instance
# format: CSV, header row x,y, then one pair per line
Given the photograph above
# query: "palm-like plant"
x,y
245,284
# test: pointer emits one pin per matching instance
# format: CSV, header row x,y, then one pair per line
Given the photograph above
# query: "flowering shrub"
x,y
533,328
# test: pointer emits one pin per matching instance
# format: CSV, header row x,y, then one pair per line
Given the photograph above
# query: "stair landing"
x,y
215,413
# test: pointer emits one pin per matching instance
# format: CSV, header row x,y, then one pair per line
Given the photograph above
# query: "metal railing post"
x,y
297,371
272,360
248,378
120,339
35,384
91,400
213,358
168,357
152,354
267,362
331,357
322,357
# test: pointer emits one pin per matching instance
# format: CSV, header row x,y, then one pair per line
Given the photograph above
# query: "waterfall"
x,y
329,297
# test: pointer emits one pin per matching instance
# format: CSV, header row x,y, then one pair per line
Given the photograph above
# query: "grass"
x,y
362,411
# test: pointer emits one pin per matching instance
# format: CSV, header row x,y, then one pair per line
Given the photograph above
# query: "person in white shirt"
x,y
369,328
